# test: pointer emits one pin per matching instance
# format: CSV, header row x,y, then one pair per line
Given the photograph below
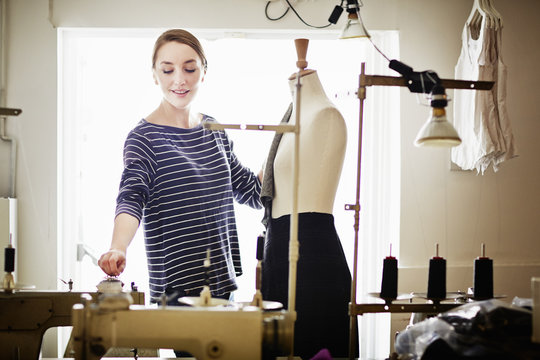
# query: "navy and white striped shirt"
x,y
181,184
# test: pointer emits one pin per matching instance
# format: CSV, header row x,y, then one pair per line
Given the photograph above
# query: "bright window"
x,y
106,87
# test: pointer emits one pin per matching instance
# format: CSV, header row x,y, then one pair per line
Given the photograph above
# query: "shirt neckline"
x,y
174,128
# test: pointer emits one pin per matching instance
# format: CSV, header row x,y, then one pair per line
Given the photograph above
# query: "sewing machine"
x,y
26,315
206,332
209,329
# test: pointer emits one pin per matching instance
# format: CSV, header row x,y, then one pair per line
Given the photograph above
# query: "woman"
x,y
180,180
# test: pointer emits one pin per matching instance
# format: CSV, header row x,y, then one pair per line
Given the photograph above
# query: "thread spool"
x,y
260,257
483,276
389,278
9,259
260,246
437,277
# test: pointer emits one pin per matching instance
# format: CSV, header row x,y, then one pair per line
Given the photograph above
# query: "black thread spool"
x,y
260,257
389,279
483,277
437,278
9,259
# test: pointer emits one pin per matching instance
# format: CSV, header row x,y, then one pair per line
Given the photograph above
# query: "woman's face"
x,y
178,71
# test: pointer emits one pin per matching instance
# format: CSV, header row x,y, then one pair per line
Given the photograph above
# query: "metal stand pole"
x,y
379,80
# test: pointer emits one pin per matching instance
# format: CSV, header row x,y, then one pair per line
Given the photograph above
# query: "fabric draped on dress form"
x,y
267,189
481,117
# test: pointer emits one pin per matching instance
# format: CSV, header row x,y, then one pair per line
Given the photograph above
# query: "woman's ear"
x,y
154,77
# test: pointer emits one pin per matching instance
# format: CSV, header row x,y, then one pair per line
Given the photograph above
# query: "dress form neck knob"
x,y
301,63
301,52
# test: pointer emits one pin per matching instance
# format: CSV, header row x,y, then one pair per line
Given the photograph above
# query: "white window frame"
x,y
380,198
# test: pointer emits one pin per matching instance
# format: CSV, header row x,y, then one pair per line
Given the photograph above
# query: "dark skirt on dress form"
x,y
323,283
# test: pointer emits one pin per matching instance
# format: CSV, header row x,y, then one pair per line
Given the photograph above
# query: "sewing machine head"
x,y
206,332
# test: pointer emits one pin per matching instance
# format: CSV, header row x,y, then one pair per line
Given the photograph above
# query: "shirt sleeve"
x,y
137,177
246,185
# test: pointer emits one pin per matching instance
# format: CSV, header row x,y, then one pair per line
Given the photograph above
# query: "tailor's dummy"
x,y
323,277
323,139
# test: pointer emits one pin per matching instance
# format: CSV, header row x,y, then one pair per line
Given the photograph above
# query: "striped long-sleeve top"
x,y
181,183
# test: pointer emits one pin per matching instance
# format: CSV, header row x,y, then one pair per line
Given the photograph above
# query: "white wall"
x,y
31,86
459,210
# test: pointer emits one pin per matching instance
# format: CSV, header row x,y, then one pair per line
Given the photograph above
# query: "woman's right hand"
x,y
113,262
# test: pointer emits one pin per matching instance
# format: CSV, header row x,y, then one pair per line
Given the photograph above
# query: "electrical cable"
x,y
378,50
302,20
268,16
369,37
318,27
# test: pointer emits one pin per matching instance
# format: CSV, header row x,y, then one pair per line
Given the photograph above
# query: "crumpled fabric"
x,y
489,329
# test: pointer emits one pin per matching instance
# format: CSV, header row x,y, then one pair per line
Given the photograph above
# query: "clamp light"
x,y
354,28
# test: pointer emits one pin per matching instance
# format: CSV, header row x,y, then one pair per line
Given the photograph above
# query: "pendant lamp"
x,y
438,131
354,28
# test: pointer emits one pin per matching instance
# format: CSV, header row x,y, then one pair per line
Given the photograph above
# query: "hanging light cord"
x,y
295,12
369,37
302,20
376,48
319,27
268,16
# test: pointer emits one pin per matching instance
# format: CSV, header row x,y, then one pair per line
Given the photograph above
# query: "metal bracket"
x,y
276,128
352,207
9,112
361,309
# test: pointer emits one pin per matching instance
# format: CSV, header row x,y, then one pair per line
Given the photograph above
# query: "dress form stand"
x,y
301,51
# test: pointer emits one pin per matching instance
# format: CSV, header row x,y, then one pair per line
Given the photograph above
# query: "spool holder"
x,y
356,309
366,308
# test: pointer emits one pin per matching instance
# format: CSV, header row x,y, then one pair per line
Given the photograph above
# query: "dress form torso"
x,y
322,144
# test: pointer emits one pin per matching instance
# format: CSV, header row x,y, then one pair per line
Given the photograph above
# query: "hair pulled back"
x,y
180,36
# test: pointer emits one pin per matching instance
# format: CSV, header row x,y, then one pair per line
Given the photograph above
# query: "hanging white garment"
x,y
504,120
480,117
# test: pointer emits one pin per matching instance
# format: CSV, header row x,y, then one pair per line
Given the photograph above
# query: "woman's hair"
x,y
182,37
